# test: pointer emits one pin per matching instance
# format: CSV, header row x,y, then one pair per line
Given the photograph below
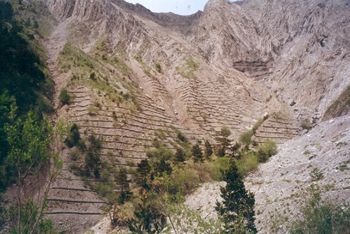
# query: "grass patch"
x,y
188,68
322,217
86,70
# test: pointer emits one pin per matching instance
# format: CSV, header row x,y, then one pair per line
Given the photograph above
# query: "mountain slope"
x,y
134,75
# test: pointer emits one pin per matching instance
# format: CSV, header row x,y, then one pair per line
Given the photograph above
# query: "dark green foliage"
x,y
64,97
163,166
149,217
25,135
224,141
180,155
73,138
26,140
7,104
197,153
208,149
160,158
321,217
31,220
122,180
237,208
143,170
21,72
92,158
92,76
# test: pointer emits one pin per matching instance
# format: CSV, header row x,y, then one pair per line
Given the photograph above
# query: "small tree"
x,y
237,208
208,149
122,179
143,170
148,216
180,155
92,157
197,153
181,137
64,97
73,137
224,141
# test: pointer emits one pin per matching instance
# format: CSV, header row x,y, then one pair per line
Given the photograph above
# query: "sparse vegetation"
x,y
316,174
73,137
322,217
246,138
158,68
188,68
266,150
197,153
208,149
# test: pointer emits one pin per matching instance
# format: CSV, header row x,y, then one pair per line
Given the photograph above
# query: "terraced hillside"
x,y
134,76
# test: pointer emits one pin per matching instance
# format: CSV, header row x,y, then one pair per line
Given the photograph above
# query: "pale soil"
x,y
281,185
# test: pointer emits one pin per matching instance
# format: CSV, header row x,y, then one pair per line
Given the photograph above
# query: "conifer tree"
x,y
180,155
197,153
208,149
237,207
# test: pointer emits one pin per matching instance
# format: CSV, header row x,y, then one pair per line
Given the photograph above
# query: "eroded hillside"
x,y
133,76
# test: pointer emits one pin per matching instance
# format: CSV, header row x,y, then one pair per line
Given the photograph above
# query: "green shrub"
x,y
180,155
92,76
64,97
246,138
216,167
73,137
159,68
248,162
322,217
197,153
92,157
181,182
181,137
316,174
208,149
266,150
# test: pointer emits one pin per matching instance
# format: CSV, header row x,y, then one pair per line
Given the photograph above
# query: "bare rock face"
x,y
282,185
310,47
